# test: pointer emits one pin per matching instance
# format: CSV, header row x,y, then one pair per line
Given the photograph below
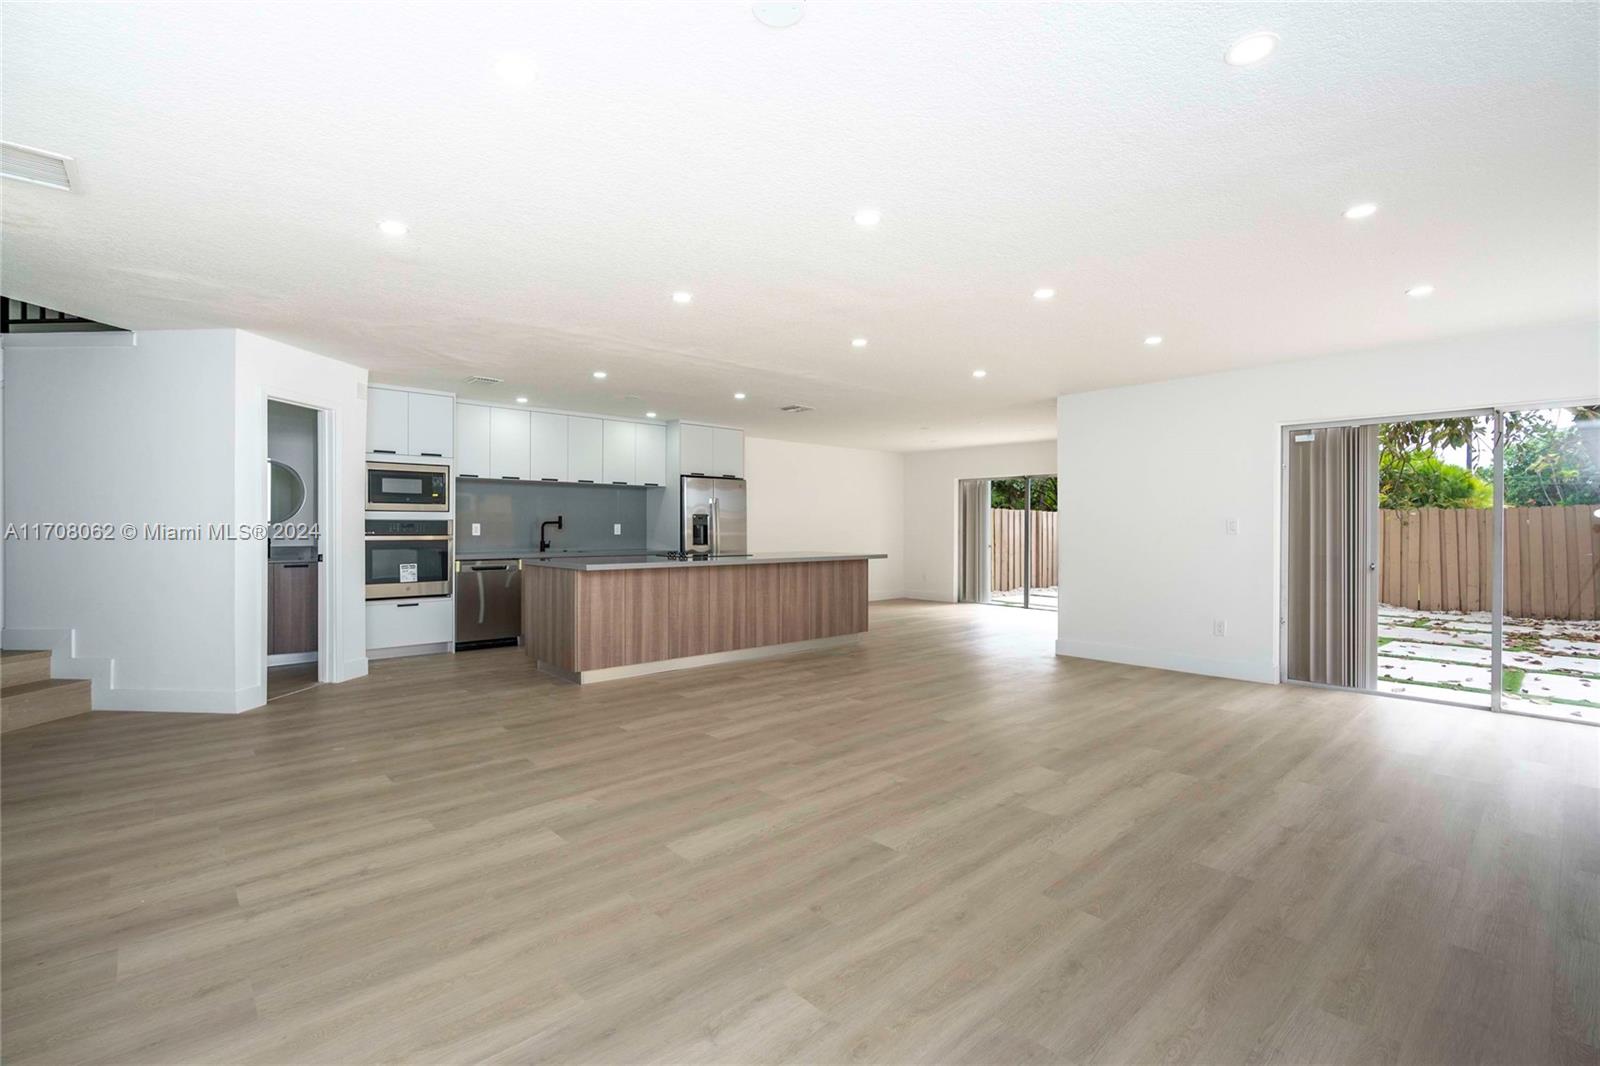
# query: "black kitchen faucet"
x,y
544,542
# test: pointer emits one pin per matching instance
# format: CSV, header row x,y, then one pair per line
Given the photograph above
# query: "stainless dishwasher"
x,y
488,603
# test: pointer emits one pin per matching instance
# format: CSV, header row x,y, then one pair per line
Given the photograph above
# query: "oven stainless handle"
x,y
402,536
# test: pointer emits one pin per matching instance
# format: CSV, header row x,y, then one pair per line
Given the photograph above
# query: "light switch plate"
x,y
616,529
1231,526
476,529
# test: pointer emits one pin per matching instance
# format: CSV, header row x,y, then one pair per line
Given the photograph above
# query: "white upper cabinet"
x,y
650,454
431,421
728,453
472,440
400,422
388,421
617,447
549,459
697,450
584,449
509,443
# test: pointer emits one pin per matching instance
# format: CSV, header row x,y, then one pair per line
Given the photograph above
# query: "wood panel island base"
x,y
601,619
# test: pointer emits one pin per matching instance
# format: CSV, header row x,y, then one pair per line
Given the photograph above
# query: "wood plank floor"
x,y
941,845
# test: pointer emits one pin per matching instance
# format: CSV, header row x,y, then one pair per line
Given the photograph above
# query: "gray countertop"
x,y
650,562
473,556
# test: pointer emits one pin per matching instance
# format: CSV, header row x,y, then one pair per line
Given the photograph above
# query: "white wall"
x,y
932,517
97,430
169,428
1150,473
814,497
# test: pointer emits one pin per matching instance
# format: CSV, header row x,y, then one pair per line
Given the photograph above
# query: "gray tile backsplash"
x,y
509,512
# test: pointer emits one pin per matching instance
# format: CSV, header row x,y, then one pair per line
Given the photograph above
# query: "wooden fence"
x,y
1438,559
1007,559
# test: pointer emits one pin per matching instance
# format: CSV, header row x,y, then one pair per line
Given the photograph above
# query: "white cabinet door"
x,y
650,455
617,448
402,623
508,443
472,440
388,420
549,459
697,450
584,449
728,452
430,420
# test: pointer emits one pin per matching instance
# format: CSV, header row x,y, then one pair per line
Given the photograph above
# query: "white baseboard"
x,y
410,649
1186,664
291,658
178,701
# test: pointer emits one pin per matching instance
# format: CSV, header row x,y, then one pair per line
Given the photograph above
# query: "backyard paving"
x,y
1552,666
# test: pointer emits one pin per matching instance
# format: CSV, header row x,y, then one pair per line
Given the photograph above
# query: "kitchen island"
x,y
599,618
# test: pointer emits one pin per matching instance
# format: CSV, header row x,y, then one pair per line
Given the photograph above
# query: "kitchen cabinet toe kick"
x,y
604,625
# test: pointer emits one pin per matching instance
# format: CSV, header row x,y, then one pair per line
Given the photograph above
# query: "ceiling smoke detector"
x,y
778,16
482,379
795,408
37,167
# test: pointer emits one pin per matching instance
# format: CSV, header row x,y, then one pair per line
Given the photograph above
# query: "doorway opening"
x,y
1008,553
294,548
1453,558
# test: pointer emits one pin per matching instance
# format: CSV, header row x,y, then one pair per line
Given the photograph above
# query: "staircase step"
x,y
35,702
21,667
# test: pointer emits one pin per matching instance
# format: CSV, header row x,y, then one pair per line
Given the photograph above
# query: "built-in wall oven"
x,y
408,557
407,487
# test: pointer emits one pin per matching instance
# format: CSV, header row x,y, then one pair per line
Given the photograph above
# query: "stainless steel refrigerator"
x,y
713,519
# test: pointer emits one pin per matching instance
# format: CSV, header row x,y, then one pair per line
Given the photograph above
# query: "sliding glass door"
x,y
1452,559
1008,541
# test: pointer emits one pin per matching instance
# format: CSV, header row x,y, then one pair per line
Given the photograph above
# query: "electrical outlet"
x,y
477,529
1230,526
1219,627
616,529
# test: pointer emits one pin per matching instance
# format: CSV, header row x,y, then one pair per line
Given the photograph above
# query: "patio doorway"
x,y
1008,553
1453,558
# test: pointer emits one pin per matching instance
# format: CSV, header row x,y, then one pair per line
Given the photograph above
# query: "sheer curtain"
x,y
973,586
1331,516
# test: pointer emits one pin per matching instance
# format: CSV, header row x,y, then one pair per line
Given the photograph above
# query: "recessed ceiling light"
x,y
392,227
1153,340
859,342
778,16
649,414
682,297
868,216
515,69
1359,211
600,375
980,373
738,396
522,399
1419,292
1044,294
1251,49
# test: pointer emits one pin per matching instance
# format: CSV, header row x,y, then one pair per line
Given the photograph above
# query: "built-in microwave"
x,y
407,557
407,487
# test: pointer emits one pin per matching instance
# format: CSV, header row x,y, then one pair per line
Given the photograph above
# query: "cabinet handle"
x,y
295,566
469,475
408,605
619,482
586,481
384,451
549,479
509,477
436,455
696,473
652,484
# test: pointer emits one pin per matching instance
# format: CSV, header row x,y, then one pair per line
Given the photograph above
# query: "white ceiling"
x,y
235,159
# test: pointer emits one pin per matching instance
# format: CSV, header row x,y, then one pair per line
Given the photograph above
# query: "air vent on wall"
x,y
36,167
795,408
480,379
